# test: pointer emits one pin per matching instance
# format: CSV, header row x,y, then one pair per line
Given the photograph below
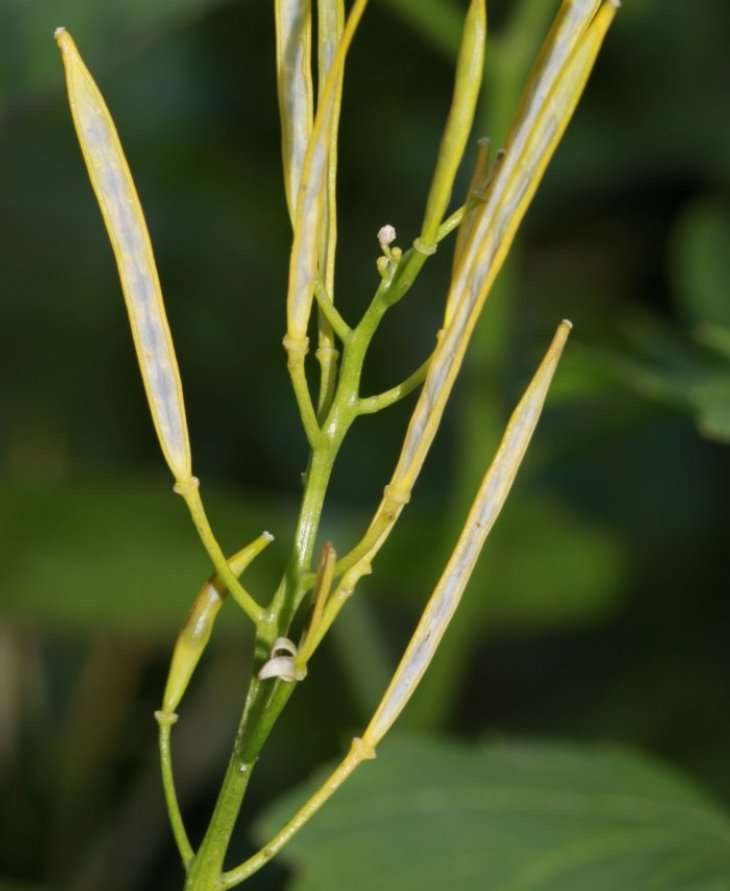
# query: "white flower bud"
x,y
386,236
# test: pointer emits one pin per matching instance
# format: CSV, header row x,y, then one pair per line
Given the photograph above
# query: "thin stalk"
x,y
358,753
168,785
323,586
330,311
389,397
205,870
191,494
453,221
296,351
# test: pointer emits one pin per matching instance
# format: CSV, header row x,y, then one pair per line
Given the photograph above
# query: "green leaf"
x,y
701,263
509,817
693,375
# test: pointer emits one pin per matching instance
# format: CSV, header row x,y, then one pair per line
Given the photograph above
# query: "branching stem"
x,y
373,404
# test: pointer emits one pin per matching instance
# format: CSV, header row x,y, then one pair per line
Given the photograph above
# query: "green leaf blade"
x,y
511,817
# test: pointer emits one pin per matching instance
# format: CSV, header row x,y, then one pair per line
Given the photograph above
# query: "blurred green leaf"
x,y
509,817
701,263
29,62
711,397
716,337
124,556
693,375
438,21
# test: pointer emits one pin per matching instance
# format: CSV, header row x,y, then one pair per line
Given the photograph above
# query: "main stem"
x,y
264,700
263,703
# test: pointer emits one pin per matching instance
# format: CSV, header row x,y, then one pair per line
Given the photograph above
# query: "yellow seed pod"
x,y
491,238
486,508
552,93
312,199
469,74
198,626
478,184
330,19
122,212
568,56
294,84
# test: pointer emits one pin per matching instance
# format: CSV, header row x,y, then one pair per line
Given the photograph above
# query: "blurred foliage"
x,y
509,816
692,372
599,610
27,67
135,547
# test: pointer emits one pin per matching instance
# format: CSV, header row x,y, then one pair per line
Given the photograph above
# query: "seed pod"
x,y
120,207
294,84
311,201
480,177
490,239
469,74
330,18
487,505
553,90
481,258
198,626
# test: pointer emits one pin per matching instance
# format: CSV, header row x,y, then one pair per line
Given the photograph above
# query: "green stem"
x,y
359,752
168,785
205,871
191,493
376,403
291,589
264,701
296,351
263,704
331,313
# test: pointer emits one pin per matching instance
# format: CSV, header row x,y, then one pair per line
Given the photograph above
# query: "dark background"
x,y
600,608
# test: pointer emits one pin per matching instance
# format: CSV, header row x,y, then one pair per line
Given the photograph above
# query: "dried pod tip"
x,y
59,32
283,668
282,645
